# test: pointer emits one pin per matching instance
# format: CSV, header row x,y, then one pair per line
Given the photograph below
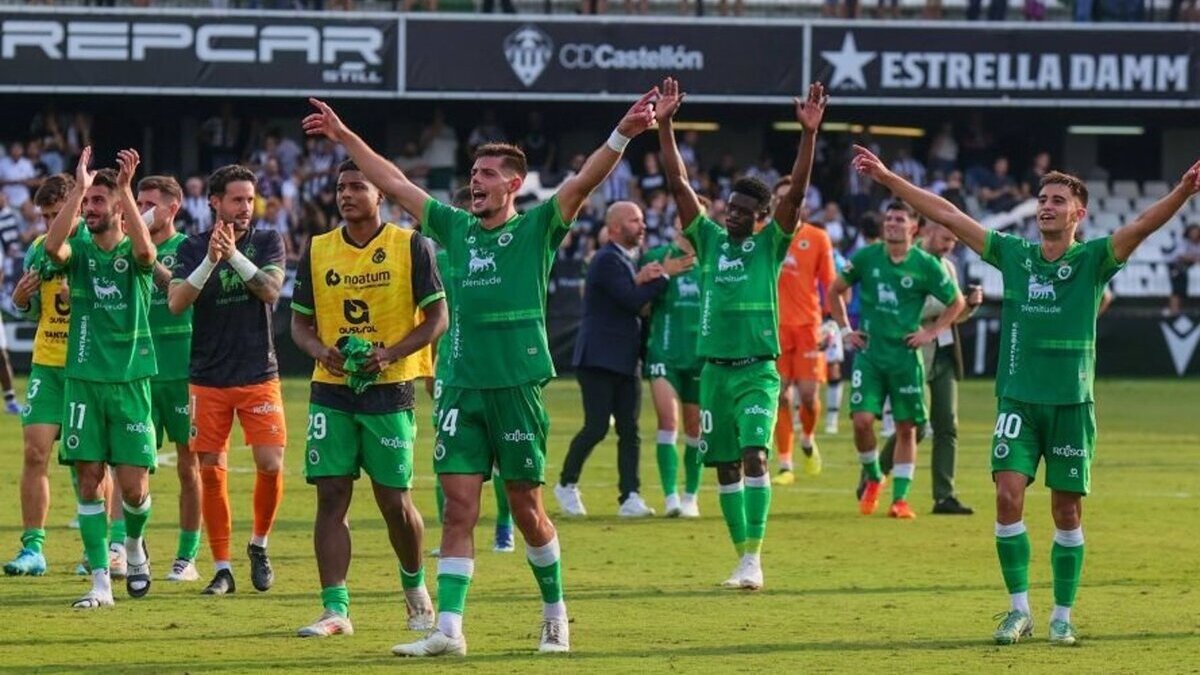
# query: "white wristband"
x,y
617,141
846,330
242,265
200,275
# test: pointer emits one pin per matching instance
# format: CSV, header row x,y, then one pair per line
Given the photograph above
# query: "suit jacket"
x,y
933,309
610,336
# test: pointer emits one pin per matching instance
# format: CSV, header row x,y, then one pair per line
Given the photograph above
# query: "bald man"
x,y
606,356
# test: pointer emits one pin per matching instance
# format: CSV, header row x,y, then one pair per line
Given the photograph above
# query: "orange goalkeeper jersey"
x,y
807,271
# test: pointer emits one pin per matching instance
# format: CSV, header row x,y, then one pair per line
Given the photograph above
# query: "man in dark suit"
x,y
606,355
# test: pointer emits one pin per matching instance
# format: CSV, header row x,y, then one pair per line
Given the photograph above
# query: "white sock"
x,y
868,456
136,552
833,398
417,597
450,624
904,470
261,542
1061,613
806,442
554,610
223,565
1020,601
544,555
118,546
667,436
751,557
101,581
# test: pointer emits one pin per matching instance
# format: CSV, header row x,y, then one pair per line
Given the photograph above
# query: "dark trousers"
x,y
607,394
943,417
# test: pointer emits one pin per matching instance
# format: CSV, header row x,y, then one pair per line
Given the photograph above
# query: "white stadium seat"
x,y
1126,188
1155,188
1097,189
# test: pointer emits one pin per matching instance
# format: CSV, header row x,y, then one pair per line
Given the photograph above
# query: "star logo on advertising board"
x,y
848,63
528,51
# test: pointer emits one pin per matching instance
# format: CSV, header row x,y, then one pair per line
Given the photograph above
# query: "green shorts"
x,y
340,444
1064,434
737,410
44,396
108,422
481,428
903,382
169,409
685,382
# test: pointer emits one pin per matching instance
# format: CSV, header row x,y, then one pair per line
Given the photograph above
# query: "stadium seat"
x,y
1126,188
1098,189
1143,203
1117,206
1105,222
1155,188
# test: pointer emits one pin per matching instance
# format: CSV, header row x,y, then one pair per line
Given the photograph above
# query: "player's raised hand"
x,y
83,175
640,115
809,111
127,164
220,243
866,163
324,122
674,266
670,99
1191,179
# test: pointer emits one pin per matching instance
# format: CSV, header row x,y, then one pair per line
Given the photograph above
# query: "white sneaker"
x,y
329,623
94,599
436,643
673,508
117,563
689,507
634,507
556,637
183,570
420,612
752,574
570,502
831,424
735,578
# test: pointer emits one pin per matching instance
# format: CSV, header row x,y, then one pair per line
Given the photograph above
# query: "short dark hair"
x,y
512,156
164,184
347,165
231,173
868,225
1077,187
755,188
53,190
898,205
106,178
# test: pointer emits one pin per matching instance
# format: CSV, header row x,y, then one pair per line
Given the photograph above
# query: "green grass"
x,y
844,593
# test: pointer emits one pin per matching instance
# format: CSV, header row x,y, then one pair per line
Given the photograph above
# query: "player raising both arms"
x,y
367,279
490,409
232,275
1044,380
807,269
111,360
893,278
739,385
173,347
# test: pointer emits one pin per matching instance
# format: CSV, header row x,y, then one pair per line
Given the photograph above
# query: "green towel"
x,y
357,351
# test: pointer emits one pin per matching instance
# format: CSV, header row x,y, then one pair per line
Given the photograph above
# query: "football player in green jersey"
x,y
894,279
495,355
739,384
1044,380
173,347
110,360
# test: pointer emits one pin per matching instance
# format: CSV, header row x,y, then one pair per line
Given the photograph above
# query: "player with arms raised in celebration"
x,y
232,275
1044,380
894,278
739,385
110,357
490,409
367,279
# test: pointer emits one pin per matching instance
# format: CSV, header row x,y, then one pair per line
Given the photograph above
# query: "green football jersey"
x,y
1048,319
172,332
739,313
892,297
675,317
496,287
110,338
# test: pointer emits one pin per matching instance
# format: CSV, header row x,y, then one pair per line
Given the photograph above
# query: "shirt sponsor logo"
x,y
886,294
1041,289
105,289
688,288
1068,451
730,264
358,281
481,262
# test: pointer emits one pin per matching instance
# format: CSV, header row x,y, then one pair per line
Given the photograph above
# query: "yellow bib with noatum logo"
x,y
50,340
366,292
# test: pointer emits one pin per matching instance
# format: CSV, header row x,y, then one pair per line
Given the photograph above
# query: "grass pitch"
x,y
843,592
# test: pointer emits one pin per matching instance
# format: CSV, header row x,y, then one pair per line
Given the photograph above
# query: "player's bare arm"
x,y
809,113
383,174
266,284
304,334
144,251
575,190
836,298
1126,239
183,292
57,248
162,277
27,286
669,100
434,323
943,321
924,202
